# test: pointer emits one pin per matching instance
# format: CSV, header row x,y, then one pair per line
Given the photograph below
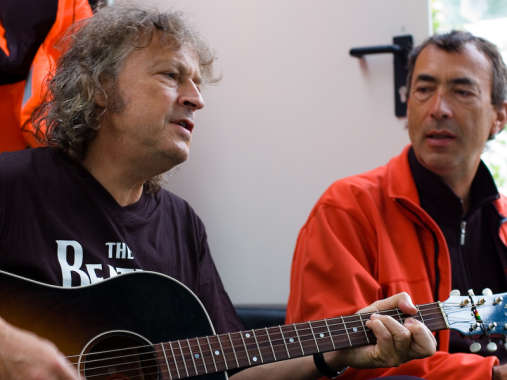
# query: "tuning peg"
x,y
471,292
497,300
492,326
491,347
455,292
475,347
487,292
465,302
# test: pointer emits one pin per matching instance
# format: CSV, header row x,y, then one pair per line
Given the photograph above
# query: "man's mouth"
x,y
440,135
440,139
185,123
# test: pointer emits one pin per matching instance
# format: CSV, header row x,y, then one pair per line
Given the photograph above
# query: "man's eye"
x,y
171,75
422,90
463,93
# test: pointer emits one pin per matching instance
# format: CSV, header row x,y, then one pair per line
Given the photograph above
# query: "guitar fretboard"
x,y
204,355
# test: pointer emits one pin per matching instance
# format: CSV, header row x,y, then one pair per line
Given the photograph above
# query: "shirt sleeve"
x,y
333,273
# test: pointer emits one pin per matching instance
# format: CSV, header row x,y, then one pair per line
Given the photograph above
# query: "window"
x,y
487,19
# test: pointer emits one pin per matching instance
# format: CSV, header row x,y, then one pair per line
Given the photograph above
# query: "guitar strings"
x,y
277,347
261,330
178,361
338,319
185,372
259,342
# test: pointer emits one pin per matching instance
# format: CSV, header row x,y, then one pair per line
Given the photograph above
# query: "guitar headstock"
x,y
471,315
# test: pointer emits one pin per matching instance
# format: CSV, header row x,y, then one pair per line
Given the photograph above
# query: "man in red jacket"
x,y
429,221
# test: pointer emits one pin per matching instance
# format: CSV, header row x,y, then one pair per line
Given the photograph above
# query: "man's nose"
x,y
190,96
440,107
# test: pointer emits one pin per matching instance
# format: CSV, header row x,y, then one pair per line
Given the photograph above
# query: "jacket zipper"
x,y
436,253
463,232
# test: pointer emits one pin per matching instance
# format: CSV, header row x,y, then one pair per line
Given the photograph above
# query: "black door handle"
x,y
401,47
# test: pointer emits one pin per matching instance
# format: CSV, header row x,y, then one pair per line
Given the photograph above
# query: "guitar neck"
x,y
204,355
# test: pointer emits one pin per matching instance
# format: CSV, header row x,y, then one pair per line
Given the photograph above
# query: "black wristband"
x,y
324,369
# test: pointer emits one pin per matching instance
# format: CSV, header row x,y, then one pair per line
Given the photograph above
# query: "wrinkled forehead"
x,y
468,61
165,46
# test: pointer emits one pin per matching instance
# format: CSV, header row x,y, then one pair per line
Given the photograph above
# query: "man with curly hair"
x,y
120,112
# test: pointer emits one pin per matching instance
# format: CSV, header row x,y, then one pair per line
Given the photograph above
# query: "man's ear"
x,y
102,91
501,119
101,98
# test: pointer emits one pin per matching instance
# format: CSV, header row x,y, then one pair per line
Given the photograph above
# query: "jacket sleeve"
x,y
334,272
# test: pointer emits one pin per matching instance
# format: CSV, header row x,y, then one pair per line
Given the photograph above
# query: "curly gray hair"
x,y
95,51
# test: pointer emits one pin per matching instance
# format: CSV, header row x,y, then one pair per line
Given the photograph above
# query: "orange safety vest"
x,y
18,100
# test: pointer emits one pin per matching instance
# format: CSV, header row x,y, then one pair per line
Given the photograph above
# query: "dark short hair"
x,y
95,51
455,41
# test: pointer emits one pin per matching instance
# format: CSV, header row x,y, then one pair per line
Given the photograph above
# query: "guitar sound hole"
x,y
119,356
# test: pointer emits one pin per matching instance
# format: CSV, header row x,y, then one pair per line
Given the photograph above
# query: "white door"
x,y
293,112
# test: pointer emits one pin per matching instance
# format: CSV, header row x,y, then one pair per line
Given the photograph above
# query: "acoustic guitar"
x,y
148,326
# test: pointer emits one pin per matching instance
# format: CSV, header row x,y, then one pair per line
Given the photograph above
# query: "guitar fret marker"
x,y
211,350
183,358
364,329
354,329
166,362
174,358
193,361
257,343
270,343
254,358
331,335
233,349
400,319
299,338
197,356
222,348
247,335
321,335
313,335
346,331
291,340
203,361
283,339
419,312
246,350
217,353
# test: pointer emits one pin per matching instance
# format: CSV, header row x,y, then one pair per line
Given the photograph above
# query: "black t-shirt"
x,y
58,225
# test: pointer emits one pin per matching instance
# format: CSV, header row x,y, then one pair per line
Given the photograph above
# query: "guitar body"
x,y
132,310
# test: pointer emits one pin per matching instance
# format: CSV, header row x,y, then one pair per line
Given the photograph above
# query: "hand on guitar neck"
x,y
25,356
396,344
